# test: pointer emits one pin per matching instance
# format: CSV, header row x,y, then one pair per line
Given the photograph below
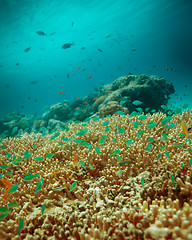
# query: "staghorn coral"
x,y
105,204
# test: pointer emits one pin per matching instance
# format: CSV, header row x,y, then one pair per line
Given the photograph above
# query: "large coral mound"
x,y
119,177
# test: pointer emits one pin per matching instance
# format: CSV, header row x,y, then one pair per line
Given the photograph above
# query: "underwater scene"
x,y
95,120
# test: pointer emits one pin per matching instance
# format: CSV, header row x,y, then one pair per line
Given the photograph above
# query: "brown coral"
x,y
111,108
141,201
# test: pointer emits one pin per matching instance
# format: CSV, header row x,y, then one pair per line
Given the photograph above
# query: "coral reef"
x,y
118,177
111,108
152,91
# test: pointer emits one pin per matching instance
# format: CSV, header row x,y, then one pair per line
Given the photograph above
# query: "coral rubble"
x,y
118,177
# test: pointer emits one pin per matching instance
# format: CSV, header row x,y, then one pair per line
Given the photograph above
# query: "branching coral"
x,y
132,175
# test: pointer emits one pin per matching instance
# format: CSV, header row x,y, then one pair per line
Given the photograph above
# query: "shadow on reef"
x,y
151,91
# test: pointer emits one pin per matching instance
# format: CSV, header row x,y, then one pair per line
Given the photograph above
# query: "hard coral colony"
x,y
118,177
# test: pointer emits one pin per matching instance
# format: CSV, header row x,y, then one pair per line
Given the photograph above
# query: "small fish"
x,y
143,181
120,173
90,77
73,185
21,225
110,91
54,173
100,50
173,181
4,210
39,184
108,35
6,183
133,50
5,196
68,45
35,100
75,159
91,167
33,82
67,75
86,102
72,24
73,73
41,33
3,216
13,204
83,165
78,68
95,98
61,92
122,163
27,49
17,64
184,127
42,209
137,102
30,176
58,188
13,189
14,130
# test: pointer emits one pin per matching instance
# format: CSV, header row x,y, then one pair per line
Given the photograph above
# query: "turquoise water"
x,y
111,39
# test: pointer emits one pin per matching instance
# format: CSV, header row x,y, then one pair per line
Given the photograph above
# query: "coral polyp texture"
x,y
118,177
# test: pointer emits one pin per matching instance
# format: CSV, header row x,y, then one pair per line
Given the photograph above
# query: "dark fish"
x,y
133,50
96,89
33,82
41,33
83,48
108,35
17,64
1,65
67,75
100,50
72,24
67,45
27,49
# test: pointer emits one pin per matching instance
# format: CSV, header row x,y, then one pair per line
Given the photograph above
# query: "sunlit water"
x,y
111,39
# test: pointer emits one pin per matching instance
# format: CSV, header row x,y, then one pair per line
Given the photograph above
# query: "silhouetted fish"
x,y
41,33
67,45
100,50
27,49
108,35
67,75
33,82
